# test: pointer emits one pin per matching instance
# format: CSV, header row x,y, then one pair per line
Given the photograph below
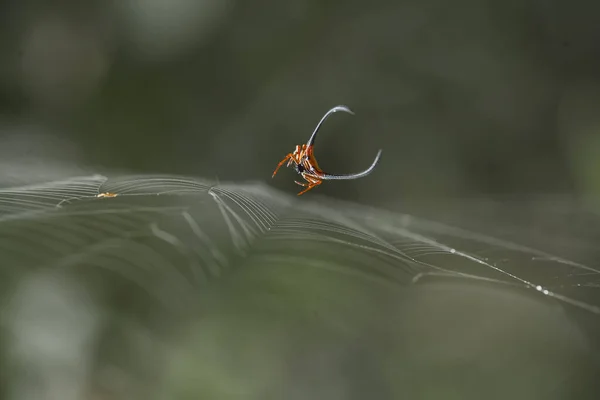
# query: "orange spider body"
x,y
306,164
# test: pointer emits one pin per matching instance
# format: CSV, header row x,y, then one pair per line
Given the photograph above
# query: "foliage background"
x,y
468,100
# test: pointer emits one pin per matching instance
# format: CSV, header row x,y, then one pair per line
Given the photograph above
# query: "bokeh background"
x,y
470,99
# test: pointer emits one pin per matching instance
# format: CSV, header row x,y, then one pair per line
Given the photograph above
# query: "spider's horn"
x,y
311,141
356,175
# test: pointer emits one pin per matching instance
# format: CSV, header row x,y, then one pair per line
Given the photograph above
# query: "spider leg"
x,y
309,187
288,157
313,182
306,178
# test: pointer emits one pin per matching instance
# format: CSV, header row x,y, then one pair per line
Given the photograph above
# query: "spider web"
x,y
158,225
171,237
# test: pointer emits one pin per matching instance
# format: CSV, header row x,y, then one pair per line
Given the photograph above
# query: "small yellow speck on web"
x,y
106,194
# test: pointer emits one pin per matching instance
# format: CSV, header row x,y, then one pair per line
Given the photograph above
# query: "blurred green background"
x,y
465,98
488,99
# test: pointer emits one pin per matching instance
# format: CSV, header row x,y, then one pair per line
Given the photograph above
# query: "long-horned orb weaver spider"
x,y
306,165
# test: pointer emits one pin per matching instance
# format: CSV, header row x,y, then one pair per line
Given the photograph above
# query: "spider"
x,y
306,165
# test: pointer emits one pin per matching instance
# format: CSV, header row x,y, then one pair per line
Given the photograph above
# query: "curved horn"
x,y
311,141
356,175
